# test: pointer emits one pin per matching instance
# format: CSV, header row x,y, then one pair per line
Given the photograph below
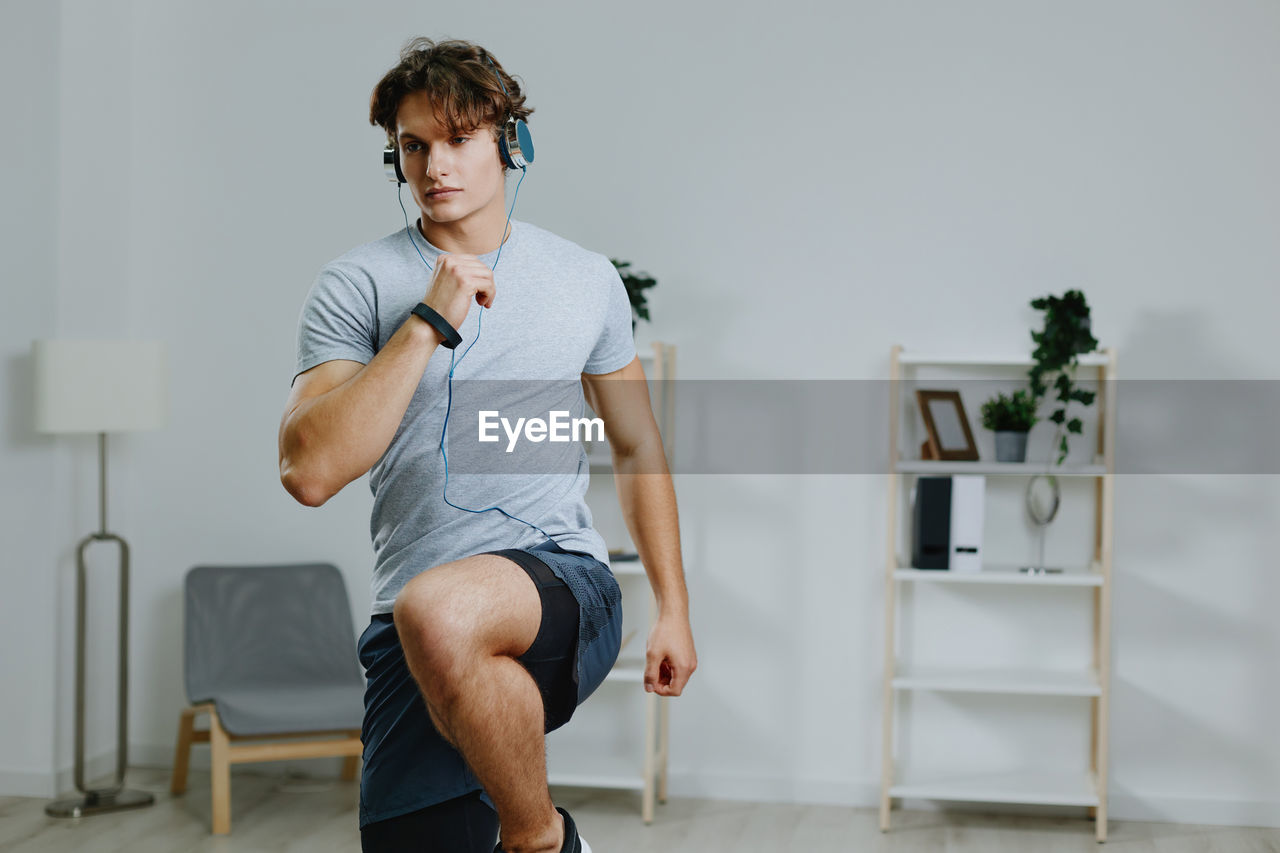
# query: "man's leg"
x,y
462,625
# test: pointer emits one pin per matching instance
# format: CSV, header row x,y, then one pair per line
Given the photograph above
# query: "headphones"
x,y
516,147
515,144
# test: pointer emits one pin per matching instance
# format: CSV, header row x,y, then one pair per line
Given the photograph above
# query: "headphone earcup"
x,y
515,144
391,164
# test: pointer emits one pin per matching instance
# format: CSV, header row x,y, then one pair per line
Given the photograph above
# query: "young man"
x,y
488,627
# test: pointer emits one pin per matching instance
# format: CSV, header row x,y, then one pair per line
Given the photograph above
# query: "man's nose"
x,y
437,164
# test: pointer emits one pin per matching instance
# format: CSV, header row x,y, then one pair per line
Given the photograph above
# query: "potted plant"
x,y
636,285
1065,335
1011,418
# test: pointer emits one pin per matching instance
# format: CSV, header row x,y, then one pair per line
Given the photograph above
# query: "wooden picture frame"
x,y
947,425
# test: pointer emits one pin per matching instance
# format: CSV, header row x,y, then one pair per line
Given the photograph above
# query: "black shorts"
x,y
468,823
550,660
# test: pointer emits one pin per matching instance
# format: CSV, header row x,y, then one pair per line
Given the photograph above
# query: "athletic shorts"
x,y
408,765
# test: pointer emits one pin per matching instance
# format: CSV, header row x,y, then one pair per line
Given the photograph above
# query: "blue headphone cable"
x,y
444,492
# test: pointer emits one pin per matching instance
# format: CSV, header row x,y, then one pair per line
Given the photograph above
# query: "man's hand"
x,y
456,281
669,658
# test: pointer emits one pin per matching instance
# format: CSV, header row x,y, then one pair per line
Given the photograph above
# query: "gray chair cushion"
x,y
273,647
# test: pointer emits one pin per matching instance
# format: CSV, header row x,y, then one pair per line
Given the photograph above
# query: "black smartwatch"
x,y
441,325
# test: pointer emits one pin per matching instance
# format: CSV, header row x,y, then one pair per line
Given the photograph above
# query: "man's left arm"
x,y
648,501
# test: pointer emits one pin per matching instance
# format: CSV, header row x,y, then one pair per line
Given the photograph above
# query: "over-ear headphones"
x,y
515,143
516,147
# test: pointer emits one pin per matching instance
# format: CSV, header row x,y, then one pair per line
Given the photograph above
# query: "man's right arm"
x,y
341,415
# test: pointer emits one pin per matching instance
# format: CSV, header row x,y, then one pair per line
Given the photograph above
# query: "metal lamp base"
x,y
98,802
114,798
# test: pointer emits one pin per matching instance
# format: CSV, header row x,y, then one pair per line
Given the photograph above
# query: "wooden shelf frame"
x,y
1029,787
651,780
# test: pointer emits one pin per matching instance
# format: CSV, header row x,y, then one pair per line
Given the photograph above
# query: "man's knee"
x,y
436,636
462,611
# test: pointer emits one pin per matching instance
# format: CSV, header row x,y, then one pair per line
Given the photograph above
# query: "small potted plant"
x,y
1011,418
636,284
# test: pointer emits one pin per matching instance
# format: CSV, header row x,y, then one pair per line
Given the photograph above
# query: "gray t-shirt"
x,y
559,311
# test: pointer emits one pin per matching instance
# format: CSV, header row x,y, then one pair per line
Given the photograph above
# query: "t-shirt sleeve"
x,y
616,346
336,322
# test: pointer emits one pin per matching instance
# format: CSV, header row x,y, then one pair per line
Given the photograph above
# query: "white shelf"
x,y
974,674
1032,787
645,770
1015,469
1003,680
627,670
602,770
627,567
997,574
588,780
1093,359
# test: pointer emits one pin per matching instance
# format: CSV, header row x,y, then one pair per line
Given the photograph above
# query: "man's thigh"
x,y
483,604
552,659
503,602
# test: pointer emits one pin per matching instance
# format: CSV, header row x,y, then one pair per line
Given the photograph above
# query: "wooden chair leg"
x,y
351,765
220,746
182,753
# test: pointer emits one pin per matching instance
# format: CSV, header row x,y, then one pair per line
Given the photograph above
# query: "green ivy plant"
x,y
636,285
1063,338
1014,413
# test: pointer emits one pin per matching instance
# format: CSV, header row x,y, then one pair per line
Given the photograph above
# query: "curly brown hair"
x,y
462,81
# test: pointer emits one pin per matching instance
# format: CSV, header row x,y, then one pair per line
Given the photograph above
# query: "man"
x,y
468,663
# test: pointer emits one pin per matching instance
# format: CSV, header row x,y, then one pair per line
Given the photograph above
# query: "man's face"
x,y
454,178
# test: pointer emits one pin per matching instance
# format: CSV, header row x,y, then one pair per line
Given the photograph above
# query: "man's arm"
x,y
648,503
341,415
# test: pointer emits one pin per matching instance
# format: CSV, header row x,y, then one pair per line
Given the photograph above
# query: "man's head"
x,y
442,108
460,81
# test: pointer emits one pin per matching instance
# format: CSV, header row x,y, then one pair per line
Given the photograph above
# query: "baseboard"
x,y
842,792
1195,810
26,783
18,783
774,789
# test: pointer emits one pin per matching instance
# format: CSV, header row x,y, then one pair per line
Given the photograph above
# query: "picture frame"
x,y
947,425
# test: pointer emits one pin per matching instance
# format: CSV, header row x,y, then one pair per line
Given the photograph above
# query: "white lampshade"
x,y
100,386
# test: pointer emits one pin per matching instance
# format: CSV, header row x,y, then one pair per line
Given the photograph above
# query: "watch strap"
x,y
441,325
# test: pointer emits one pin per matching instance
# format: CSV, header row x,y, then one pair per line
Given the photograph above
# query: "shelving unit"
x,y
1025,786
648,774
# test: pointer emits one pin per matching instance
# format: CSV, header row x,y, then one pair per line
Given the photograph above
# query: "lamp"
x,y
100,386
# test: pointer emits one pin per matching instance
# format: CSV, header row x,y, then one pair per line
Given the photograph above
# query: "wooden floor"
x,y
280,813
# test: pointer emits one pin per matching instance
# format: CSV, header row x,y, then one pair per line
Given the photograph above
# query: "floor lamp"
x,y
102,387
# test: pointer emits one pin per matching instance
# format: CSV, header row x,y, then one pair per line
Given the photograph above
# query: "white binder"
x,y
968,494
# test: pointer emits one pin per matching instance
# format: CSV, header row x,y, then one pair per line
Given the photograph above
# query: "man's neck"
x,y
475,238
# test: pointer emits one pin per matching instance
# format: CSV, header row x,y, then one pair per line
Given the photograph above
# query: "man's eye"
x,y
412,147
458,140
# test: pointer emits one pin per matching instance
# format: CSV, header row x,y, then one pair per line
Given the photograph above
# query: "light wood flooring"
x,y
273,812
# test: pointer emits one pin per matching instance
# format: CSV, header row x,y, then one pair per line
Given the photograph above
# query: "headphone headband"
x,y
515,143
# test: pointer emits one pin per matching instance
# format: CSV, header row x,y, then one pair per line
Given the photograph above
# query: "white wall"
x,y
34,528
810,186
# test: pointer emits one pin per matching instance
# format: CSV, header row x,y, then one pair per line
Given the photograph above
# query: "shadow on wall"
x,y
1198,552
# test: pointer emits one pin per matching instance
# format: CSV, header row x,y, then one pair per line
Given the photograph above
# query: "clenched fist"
x,y
457,280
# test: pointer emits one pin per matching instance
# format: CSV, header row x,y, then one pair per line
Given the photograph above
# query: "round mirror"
x,y
1043,498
